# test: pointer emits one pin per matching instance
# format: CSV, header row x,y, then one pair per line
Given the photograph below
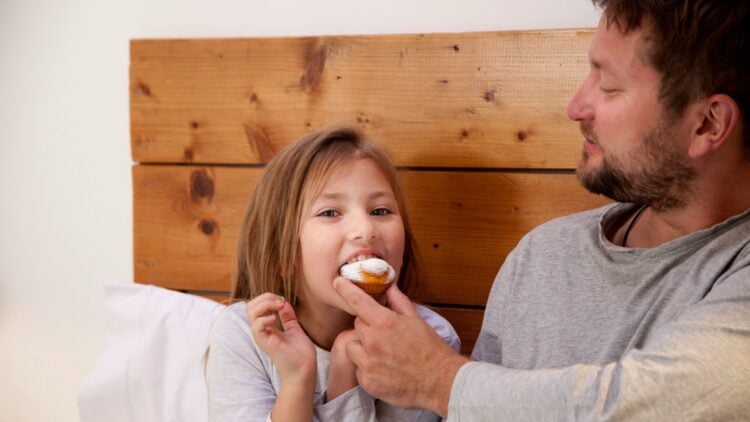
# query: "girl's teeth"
x,y
360,258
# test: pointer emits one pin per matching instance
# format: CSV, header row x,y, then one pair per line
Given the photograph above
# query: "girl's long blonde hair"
x,y
268,247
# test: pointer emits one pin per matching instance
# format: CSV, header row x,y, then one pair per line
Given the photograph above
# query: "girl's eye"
x,y
380,211
328,213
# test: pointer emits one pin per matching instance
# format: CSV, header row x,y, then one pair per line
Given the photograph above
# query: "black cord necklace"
x,y
632,223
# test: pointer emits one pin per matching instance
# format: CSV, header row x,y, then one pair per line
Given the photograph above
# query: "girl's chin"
x,y
344,307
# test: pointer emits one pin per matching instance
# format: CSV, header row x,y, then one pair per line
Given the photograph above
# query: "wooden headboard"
x,y
475,122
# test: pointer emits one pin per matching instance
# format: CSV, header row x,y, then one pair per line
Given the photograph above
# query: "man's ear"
x,y
717,117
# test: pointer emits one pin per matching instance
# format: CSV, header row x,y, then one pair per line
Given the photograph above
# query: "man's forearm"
x,y
438,384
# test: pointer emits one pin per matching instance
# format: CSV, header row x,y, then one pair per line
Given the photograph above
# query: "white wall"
x,y
65,191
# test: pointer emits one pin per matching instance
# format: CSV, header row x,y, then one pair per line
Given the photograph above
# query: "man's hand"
x,y
399,358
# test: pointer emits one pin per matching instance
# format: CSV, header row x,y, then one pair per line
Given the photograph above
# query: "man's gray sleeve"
x,y
696,367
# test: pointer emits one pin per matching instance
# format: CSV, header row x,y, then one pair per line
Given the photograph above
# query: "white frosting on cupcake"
x,y
374,266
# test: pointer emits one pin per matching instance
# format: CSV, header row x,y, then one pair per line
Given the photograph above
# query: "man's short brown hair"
x,y
700,47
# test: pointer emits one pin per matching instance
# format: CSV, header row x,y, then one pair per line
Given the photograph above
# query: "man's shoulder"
x,y
576,224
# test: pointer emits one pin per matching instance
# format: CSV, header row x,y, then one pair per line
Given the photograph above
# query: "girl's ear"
x,y
717,119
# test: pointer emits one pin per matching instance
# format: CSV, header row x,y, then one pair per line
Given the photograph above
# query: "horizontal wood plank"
x,y
186,220
466,223
487,99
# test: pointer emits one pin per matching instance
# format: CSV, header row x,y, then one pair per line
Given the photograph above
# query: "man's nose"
x,y
579,107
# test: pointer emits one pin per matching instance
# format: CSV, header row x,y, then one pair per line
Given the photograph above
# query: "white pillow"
x,y
151,368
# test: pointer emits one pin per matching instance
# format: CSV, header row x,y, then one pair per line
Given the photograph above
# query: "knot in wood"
x,y
201,185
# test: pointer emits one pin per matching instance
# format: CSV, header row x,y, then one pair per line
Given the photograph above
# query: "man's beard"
x,y
652,174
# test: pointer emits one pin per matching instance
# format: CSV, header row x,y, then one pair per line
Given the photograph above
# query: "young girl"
x,y
327,199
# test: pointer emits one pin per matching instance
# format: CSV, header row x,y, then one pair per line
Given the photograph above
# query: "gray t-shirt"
x,y
243,381
577,328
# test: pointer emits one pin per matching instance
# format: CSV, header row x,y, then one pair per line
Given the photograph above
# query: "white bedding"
x,y
151,368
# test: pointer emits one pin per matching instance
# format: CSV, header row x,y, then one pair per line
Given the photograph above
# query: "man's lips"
x,y
587,131
590,146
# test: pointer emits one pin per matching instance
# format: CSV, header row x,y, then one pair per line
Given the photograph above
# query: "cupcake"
x,y
373,275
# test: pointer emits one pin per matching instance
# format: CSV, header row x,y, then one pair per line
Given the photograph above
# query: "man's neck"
x,y
710,205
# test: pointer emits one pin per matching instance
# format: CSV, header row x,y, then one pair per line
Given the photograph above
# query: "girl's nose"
x,y
362,228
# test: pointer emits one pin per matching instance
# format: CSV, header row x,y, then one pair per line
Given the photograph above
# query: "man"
x,y
637,310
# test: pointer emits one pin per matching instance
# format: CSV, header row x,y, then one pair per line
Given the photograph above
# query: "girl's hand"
x,y
342,372
290,350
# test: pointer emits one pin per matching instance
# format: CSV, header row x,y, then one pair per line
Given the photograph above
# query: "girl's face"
x,y
356,213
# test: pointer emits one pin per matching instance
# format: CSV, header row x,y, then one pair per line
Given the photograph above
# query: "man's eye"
x,y
328,213
380,211
608,91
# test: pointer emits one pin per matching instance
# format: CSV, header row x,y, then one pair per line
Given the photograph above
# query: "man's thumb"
x,y
398,302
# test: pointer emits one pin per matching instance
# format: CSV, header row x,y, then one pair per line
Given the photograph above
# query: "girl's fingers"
x,y
263,327
288,318
287,312
262,298
262,309
262,306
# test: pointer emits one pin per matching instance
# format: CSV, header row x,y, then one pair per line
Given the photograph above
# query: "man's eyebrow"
x,y
606,67
599,64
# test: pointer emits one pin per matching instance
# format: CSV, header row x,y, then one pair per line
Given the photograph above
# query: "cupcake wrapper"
x,y
373,288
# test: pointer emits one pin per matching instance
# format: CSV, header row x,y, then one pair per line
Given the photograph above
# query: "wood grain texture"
x,y
186,223
467,222
475,121
466,322
487,99
187,219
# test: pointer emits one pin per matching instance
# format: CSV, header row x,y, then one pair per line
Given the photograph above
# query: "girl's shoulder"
x,y
441,326
237,309
235,313
231,332
232,321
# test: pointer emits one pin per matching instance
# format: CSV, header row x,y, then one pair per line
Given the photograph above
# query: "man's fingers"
x,y
355,352
399,302
348,336
364,374
360,302
360,326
